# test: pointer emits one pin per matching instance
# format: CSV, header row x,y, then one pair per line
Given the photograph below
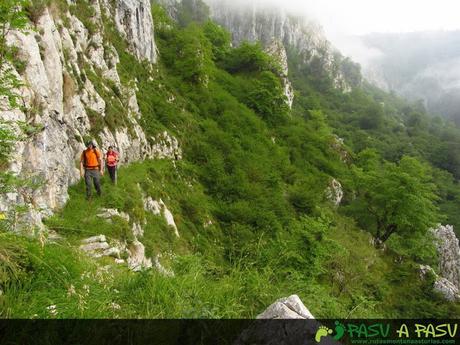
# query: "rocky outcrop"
x,y
97,246
159,208
134,20
334,192
448,248
278,51
275,326
447,289
447,282
287,308
338,145
109,213
49,154
135,250
441,285
161,269
137,260
137,230
164,146
70,80
258,21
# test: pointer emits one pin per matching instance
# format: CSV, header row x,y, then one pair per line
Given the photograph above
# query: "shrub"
x,y
248,57
36,8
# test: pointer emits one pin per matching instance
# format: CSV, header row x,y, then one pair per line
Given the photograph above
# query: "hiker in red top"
x,y
112,159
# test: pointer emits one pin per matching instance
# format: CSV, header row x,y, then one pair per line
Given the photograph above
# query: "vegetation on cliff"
x,y
250,196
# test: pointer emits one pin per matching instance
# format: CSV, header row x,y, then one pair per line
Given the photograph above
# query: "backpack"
x,y
85,163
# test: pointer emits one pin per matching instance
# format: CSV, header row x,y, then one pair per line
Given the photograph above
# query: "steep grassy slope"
x,y
370,118
252,167
327,261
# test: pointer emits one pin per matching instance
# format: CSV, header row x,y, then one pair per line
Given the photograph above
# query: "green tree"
x,y
394,198
447,157
250,57
371,117
192,11
12,17
193,60
267,99
219,38
351,71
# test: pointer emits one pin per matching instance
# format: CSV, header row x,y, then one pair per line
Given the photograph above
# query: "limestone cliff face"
x,y
447,282
449,253
64,107
134,20
277,50
279,32
258,21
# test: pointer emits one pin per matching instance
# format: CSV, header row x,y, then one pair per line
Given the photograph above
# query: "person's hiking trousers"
x,y
95,176
113,173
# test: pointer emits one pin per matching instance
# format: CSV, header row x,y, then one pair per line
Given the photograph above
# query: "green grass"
x,y
328,262
79,218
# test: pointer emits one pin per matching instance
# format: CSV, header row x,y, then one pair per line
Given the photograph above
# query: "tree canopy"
x,y
394,197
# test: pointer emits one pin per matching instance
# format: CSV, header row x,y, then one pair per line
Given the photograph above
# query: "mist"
x,y
345,21
357,17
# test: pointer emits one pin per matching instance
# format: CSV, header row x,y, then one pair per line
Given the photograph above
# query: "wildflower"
x,y
2,216
85,275
81,302
52,310
71,290
42,238
115,306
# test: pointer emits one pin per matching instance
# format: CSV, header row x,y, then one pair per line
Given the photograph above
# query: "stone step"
x,y
94,239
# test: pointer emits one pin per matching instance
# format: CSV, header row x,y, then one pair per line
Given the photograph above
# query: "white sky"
x,y
365,16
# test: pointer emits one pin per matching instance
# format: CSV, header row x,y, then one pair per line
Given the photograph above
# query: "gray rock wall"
x,y
447,282
59,101
278,51
134,20
449,253
258,21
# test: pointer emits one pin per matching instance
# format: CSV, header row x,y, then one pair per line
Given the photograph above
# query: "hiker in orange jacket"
x,y
91,168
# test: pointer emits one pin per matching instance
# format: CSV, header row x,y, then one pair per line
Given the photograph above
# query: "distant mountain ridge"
x,y
259,22
419,66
